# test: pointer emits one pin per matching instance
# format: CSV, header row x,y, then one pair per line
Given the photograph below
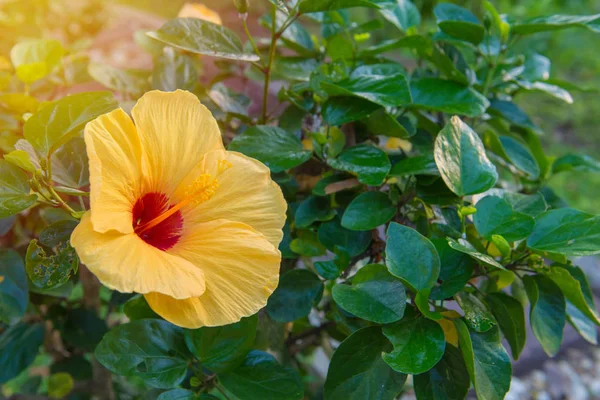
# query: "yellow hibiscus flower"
x,y
176,217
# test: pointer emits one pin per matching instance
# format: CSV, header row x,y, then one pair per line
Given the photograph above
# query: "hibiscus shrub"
x,y
419,230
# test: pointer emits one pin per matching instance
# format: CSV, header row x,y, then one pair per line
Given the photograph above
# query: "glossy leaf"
x,y
556,22
202,37
411,257
14,295
547,315
343,109
447,380
511,319
487,362
19,345
419,165
418,342
49,271
313,209
152,350
383,84
298,290
566,231
368,163
368,211
465,247
174,71
459,22
14,190
456,270
461,159
36,58
222,348
495,216
127,81
276,148
333,235
261,377
311,6
357,372
374,295
56,123
403,14
447,96
477,315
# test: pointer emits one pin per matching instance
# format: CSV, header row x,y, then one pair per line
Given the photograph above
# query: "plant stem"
x,y
250,38
48,184
220,389
275,35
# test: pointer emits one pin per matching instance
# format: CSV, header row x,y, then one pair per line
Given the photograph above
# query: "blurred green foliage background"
x,y
574,56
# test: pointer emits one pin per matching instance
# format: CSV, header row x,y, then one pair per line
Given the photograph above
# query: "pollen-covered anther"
x,y
204,187
222,166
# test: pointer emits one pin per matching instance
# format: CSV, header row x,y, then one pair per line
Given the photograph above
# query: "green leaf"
x,y
332,269
478,316
14,295
532,205
418,342
465,247
128,81
383,84
422,303
370,164
19,345
512,113
447,380
331,234
50,271
173,70
582,324
487,362
357,372
340,110
520,157
556,22
69,162
447,96
56,123
510,315
277,149
138,308
222,348
150,349
298,290
374,295
456,270
57,233
418,165
547,315
458,22
411,257
495,216
403,14
311,6
60,385
461,159
295,36
367,211
574,162
20,158
261,377
14,190
36,58
574,290
382,123
202,37
566,231
313,209
307,244
230,102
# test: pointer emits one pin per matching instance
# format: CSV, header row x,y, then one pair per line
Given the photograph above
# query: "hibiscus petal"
x,y
245,194
241,269
115,154
175,131
127,264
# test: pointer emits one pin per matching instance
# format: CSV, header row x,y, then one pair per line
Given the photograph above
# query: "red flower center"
x,y
164,234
